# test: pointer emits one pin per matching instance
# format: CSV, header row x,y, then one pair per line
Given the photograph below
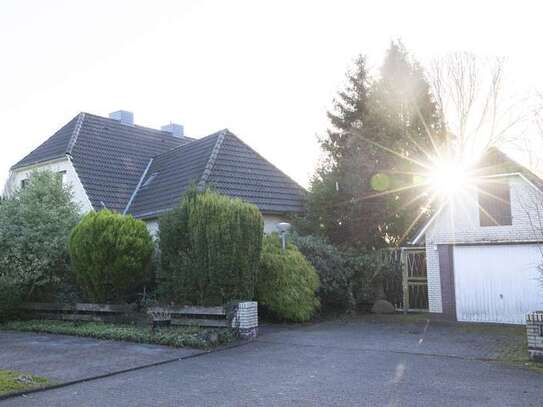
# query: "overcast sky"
x,y
267,70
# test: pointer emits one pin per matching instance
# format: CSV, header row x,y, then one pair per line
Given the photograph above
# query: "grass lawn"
x,y
11,381
195,337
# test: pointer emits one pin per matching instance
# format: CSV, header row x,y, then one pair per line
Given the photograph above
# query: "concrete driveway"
x,y
63,358
365,362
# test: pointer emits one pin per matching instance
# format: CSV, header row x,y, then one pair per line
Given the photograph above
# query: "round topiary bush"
x,y
287,282
110,256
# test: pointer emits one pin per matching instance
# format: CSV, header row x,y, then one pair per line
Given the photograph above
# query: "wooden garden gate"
x,y
414,279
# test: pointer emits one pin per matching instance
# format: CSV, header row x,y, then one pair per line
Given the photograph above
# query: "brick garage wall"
x,y
434,278
534,330
458,223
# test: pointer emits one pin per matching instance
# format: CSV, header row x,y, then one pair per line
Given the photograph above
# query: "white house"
x,y
113,163
484,246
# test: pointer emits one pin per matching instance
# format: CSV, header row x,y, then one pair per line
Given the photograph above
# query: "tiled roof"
x,y
145,172
223,162
169,175
54,147
241,172
109,157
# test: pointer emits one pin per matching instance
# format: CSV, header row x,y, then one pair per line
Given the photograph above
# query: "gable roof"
x,y
144,172
108,156
223,162
240,171
493,163
169,175
54,147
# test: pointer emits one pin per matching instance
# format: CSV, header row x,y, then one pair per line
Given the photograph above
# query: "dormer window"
x,y
150,179
495,203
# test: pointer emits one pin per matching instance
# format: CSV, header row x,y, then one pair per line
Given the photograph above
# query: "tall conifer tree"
x,y
365,193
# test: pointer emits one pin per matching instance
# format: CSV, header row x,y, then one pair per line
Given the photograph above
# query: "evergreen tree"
x,y
365,193
329,206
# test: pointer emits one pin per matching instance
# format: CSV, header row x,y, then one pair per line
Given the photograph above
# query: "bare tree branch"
x,y
471,95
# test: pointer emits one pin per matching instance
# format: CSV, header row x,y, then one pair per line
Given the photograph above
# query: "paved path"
x,y
66,358
358,363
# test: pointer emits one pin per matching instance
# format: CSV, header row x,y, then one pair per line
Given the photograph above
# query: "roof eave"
x,y
31,165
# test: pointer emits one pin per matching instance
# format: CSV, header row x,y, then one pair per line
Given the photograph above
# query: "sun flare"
x,y
448,178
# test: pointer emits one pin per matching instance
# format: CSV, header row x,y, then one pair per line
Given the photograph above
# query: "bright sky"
x,y
267,70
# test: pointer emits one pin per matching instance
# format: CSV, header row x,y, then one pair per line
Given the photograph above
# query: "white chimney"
x,y
123,116
176,129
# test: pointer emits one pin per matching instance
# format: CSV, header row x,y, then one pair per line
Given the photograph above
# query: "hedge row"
x,y
210,252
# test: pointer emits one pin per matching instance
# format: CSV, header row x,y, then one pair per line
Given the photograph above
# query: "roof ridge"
x,y
173,149
521,167
136,190
212,158
139,126
75,133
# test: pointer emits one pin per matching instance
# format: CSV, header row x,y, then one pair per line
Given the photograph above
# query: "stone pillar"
x,y
534,331
245,319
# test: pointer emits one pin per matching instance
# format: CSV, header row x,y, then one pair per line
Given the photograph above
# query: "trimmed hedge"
x,y
286,282
210,248
110,256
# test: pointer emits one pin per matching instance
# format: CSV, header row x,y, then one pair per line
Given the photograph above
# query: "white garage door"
x,y
499,283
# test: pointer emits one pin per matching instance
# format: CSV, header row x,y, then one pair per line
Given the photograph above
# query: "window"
x,y
23,183
62,175
495,204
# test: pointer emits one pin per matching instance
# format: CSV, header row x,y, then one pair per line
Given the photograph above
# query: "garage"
x,y
497,283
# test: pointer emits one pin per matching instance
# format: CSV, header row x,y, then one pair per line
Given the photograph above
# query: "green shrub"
x,y
286,282
110,256
177,336
377,275
35,223
210,248
11,295
335,269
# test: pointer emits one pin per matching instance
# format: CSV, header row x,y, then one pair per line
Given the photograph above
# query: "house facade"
x,y
484,248
113,163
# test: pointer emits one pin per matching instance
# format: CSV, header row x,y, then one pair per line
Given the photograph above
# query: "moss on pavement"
x,y
12,381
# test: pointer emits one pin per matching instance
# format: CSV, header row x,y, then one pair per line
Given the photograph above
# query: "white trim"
x,y
419,235
426,226
75,133
512,174
137,186
70,160
39,164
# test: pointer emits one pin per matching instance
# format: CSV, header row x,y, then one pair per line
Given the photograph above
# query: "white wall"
x,y
71,178
270,224
152,227
459,223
